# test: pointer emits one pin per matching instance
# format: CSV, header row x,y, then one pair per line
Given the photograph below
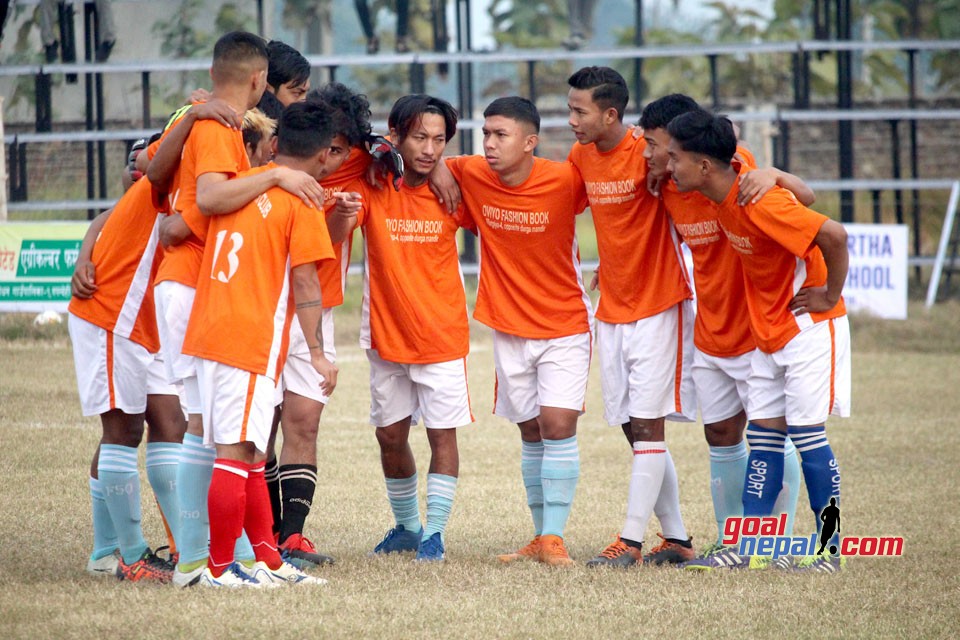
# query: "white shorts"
x,y
299,376
539,373
805,381
112,372
437,392
645,367
157,383
174,301
237,404
721,384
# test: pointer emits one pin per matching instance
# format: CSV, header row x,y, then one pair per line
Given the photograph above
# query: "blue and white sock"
x,y
440,491
162,460
194,469
559,474
820,469
787,500
728,468
764,478
120,481
402,493
104,534
531,460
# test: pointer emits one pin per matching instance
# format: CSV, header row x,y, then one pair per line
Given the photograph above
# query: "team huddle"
x,y
204,306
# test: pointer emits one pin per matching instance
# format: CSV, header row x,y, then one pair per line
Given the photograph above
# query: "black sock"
x,y
298,483
632,543
271,473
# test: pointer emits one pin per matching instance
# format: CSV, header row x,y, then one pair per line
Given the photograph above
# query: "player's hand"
x,y
811,300
302,185
347,204
654,183
595,280
83,283
200,95
216,109
445,187
753,184
326,369
635,130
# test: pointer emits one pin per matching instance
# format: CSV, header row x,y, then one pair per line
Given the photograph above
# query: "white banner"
x,y
877,278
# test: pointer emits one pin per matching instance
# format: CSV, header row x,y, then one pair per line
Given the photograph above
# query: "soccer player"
x,y
644,315
295,476
531,294
288,73
238,331
414,324
795,262
723,343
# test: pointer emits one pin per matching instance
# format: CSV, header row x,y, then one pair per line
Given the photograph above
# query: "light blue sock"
x,y
764,478
728,468
440,491
193,482
820,469
559,472
243,551
531,460
162,459
402,493
120,481
787,500
104,534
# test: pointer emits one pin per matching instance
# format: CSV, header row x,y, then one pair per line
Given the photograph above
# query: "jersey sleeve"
x,y
196,221
789,223
456,166
215,149
578,190
309,238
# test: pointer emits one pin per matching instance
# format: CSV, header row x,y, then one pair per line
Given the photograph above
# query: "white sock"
x,y
667,506
649,462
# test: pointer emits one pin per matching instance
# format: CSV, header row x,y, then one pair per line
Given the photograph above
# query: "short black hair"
x,y
702,132
355,106
659,113
609,87
235,53
308,127
270,105
515,108
406,112
286,64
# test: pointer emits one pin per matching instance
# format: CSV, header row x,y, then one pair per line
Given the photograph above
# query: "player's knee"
x,y
646,430
390,439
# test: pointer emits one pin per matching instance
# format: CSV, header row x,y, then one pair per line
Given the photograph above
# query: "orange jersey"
x,y
721,329
641,268
530,280
243,307
333,273
414,307
210,148
126,257
774,239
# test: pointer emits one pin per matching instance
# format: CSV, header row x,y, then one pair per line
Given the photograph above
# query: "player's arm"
x,y
173,230
309,304
165,161
832,241
83,283
445,186
753,184
217,193
342,218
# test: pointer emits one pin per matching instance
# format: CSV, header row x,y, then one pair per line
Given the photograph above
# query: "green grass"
x,y
899,455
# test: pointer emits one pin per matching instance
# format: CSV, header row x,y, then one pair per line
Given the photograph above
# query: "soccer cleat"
x,y
712,549
149,568
105,566
300,552
669,552
172,558
553,552
398,540
826,563
784,563
182,579
431,549
530,552
286,573
233,577
617,554
727,558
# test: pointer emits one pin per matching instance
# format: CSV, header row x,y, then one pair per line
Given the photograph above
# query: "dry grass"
x,y
899,455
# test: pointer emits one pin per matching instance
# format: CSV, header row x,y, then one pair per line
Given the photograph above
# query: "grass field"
x,y
899,456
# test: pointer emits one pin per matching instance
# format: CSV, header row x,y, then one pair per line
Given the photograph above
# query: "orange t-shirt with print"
x,y
530,281
774,239
641,267
126,256
244,304
414,307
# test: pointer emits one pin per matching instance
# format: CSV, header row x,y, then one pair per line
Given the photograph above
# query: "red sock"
x,y
226,502
258,519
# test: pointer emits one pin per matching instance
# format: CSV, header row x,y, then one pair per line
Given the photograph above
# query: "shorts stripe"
x,y
246,406
466,381
678,378
833,366
112,391
496,386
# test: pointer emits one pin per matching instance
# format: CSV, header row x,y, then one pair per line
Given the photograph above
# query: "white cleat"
x,y
286,573
234,577
183,579
106,566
